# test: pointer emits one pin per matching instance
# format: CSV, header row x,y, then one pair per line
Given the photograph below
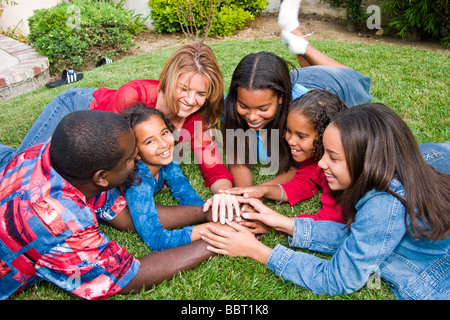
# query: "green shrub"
x,y
229,15
76,34
253,6
4,3
164,16
428,17
353,9
228,19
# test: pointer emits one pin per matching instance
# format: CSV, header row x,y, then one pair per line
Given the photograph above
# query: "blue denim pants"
x,y
66,102
351,86
437,154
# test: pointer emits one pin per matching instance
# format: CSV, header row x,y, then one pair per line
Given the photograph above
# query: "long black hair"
x,y
261,71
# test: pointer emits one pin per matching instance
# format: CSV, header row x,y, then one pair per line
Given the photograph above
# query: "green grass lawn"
x,y
413,82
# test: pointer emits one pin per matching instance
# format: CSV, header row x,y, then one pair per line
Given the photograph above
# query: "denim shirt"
x,y
377,243
143,209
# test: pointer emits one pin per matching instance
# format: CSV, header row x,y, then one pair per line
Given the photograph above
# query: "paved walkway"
x,y
7,60
19,66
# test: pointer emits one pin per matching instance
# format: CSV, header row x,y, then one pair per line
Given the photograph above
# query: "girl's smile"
x,y
333,161
155,143
257,107
300,135
165,154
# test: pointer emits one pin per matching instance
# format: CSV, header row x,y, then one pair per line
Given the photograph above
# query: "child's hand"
x,y
256,227
238,242
248,192
223,206
267,216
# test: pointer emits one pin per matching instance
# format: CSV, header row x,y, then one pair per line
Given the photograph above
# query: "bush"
x,y
76,34
229,15
353,9
228,19
428,17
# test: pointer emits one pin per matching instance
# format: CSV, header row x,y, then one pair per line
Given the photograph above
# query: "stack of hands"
x,y
246,216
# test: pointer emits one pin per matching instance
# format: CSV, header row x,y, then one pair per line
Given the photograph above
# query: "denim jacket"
x,y
378,242
143,208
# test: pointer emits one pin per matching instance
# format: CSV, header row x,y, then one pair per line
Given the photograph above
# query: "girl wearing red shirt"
x,y
307,119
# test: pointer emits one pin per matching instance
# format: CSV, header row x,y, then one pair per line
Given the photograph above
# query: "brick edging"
x,y
30,63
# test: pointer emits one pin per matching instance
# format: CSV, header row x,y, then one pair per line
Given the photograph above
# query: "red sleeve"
x,y
330,209
143,91
305,183
207,153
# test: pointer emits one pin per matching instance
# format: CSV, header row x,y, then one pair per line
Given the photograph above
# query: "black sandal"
x,y
67,76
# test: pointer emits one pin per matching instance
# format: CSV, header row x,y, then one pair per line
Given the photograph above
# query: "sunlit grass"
x,y
412,82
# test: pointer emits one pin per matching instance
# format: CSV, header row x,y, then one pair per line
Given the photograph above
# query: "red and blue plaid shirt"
x,y
48,231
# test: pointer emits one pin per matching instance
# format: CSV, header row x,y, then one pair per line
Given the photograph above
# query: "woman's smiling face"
x,y
192,95
257,107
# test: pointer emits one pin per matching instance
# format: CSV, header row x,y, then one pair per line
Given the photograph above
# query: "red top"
x,y
306,183
145,91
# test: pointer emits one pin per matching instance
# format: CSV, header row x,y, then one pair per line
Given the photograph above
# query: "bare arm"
x,y
180,216
273,192
170,217
122,221
220,184
283,177
242,175
163,265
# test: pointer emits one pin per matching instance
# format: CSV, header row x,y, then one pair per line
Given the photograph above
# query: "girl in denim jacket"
x,y
396,209
155,167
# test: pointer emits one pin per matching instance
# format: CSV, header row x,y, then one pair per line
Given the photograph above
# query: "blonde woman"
x,y
190,92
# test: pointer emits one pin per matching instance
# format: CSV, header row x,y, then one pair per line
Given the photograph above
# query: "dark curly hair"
x,y
140,112
319,107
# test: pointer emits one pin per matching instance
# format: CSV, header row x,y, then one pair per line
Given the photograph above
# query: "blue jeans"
x,y
351,86
437,154
66,102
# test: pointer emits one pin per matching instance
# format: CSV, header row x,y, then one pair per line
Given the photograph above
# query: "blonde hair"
x,y
194,58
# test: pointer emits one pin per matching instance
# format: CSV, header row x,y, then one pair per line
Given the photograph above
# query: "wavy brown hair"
x,y
194,58
379,147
